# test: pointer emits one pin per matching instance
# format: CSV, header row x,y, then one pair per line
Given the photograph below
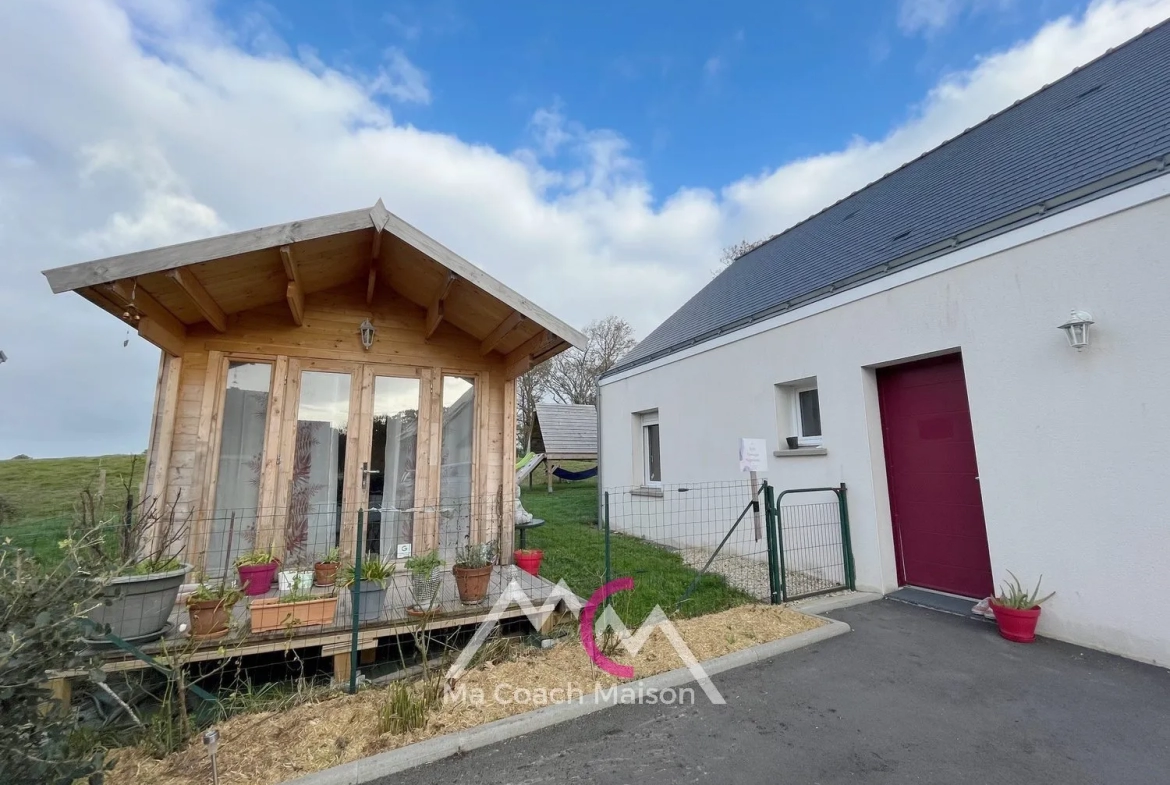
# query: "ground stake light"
x,y
211,741
367,332
1076,329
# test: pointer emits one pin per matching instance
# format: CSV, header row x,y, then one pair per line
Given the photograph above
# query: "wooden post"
x,y
341,668
548,470
62,691
367,656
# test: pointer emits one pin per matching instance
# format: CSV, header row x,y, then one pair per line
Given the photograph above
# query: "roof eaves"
x,y
1107,185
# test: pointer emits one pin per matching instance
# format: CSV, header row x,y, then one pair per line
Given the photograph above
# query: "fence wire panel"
x,y
815,552
713,528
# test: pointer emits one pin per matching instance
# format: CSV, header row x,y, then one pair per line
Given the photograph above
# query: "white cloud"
x,y
133,131
401,80
930,16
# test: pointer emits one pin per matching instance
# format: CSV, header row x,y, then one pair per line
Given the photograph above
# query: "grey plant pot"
x,y
426,589
139,605
371,597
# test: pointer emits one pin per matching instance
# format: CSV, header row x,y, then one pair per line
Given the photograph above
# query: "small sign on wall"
x,y
404,550
753,455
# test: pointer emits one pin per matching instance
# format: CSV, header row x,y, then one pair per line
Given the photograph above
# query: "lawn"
x,y
39,495
574,549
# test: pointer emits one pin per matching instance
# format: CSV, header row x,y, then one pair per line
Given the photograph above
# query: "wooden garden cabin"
x,y
324,366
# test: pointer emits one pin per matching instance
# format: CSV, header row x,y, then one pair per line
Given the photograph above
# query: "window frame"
x,y
646,420
798,417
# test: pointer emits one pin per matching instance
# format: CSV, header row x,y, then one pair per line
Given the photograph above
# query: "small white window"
x,y
651,451
806,416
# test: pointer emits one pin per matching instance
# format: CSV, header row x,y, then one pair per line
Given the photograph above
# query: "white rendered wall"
x,y
1073,447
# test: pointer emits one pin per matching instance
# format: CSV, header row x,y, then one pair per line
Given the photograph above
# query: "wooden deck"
x,y
336,638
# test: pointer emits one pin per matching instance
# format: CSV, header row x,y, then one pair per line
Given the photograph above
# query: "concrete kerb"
x,y
376,766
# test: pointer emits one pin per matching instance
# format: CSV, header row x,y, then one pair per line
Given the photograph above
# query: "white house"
x,y
907,337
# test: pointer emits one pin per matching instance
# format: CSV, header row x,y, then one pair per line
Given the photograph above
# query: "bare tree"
x,y
573,376
530,390
733,252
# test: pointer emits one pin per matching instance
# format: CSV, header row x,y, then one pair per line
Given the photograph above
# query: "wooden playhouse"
x,y
321,367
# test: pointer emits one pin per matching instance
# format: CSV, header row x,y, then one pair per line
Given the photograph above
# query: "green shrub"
x,y
41,614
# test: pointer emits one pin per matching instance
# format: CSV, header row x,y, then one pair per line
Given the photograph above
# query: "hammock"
x,y
565,474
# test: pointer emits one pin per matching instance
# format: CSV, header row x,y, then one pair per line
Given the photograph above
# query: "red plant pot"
x,y
529,561
255,579
1017,625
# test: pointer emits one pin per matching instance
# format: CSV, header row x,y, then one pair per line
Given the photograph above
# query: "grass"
x,y
574,550
41,494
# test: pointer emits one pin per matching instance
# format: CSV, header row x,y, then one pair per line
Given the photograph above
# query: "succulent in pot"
x,y
371,589
209,608
325,568
473,570
256,570
1017,611
425,580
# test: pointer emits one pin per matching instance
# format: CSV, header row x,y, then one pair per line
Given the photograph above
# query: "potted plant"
x,y
1017,610
528,559
372,589
256,569
142,573
425,579
209,608
298,607
299,575
325,569
473,571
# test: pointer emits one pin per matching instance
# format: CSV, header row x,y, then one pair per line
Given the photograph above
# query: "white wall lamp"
x,y
367,332
1076,329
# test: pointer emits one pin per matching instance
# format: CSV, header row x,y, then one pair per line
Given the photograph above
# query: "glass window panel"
x,y
810,413
241,453
455,479
653,457
394,448
313,523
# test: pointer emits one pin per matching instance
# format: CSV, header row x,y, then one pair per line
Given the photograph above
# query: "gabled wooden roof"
x,y
165,290
566,431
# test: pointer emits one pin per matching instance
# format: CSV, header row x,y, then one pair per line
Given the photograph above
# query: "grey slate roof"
x,y
1103,127
565,430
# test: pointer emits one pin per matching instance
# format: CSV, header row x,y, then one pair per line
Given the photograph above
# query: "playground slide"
x,y
527,465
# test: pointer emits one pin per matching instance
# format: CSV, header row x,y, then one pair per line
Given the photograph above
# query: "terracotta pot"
x,y
255,579
272,614
529,561
1016,625
209,618
472,583
325,573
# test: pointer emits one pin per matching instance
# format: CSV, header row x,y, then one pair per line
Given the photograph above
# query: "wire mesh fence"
x,y
716,529
760,544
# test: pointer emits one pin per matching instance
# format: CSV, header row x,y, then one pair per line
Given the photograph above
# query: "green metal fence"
x,y
809,546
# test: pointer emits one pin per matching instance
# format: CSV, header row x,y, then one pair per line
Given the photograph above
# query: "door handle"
x,y
366,472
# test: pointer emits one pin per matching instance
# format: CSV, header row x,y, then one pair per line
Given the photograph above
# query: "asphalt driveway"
x,y
912,695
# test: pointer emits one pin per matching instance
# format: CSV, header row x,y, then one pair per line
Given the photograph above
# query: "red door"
x,y
939,535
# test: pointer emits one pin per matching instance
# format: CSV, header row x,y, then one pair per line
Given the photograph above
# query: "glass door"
x,y
389,467
316,476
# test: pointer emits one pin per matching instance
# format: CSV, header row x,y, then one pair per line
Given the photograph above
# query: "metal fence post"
x,y
846,540
770,521
783,577
355,601
608,570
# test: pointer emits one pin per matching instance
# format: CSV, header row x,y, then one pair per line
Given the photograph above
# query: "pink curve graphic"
x,y
588,639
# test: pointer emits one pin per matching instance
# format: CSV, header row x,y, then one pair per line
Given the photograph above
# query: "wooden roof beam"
x,y
502,331
129,296
294,293
375,252
532,352
435,311
200,297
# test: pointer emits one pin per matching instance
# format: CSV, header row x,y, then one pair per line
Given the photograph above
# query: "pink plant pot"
x,y
255,579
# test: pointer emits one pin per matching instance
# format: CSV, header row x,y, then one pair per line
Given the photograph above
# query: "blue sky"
x,y
702,92
595,157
